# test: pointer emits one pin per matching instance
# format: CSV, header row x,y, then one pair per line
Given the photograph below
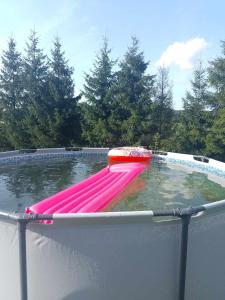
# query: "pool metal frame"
x,y
184,214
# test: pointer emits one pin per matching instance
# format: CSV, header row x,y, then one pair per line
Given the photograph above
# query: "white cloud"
x,y
182,53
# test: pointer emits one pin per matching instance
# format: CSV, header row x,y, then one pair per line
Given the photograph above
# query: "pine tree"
x,y
216,74
97,92
63,111
163,111
215,140
134,91
11,96
36,94
196,117
195,102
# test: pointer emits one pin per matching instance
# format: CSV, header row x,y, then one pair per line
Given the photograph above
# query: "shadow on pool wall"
x,y
123,255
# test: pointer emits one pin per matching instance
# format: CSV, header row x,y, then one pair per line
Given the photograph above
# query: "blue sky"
x,y
174,33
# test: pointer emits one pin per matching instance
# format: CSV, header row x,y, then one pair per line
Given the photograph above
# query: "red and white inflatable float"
x,y
129,154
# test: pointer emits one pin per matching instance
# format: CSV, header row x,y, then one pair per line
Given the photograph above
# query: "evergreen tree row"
x,y
38,107
200,127
123,103
128,106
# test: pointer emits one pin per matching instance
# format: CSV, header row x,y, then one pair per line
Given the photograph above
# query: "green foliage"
x,y
133,96
195,117
98,96
215,141
216,72
11,97
4,139
197,100
162,107
63,112
38,107
35,81
128,106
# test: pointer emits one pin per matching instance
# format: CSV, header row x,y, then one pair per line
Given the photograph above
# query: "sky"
x,y
176,34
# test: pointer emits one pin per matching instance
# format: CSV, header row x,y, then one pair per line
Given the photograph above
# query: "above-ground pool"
x,y
162,186
162,238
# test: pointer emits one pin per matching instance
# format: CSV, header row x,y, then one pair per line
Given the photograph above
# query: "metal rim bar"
x,y
159,213
213,205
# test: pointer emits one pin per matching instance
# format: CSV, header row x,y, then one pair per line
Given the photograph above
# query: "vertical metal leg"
x,y
185,215
22,259
183,256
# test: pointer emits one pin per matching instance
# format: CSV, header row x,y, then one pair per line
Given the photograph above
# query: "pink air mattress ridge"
x,y
92,194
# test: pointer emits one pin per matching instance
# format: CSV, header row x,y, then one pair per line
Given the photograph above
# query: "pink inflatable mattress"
x,y
92,194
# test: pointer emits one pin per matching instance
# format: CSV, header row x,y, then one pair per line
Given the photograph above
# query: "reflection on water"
x,y
161,186
168,186
26,183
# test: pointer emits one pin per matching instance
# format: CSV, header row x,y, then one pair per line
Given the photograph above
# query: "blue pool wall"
x,y
48,153
213,166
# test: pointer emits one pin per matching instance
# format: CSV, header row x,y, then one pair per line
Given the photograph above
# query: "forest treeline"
x,y
122,102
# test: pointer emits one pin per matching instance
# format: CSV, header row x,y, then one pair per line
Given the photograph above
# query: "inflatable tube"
x,y
129,154
92,194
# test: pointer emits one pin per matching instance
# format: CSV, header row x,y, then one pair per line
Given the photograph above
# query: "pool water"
x,y
161,186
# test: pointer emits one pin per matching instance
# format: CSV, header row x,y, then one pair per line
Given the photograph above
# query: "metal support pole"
x,y
22,259
183,256
23,220
185,215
